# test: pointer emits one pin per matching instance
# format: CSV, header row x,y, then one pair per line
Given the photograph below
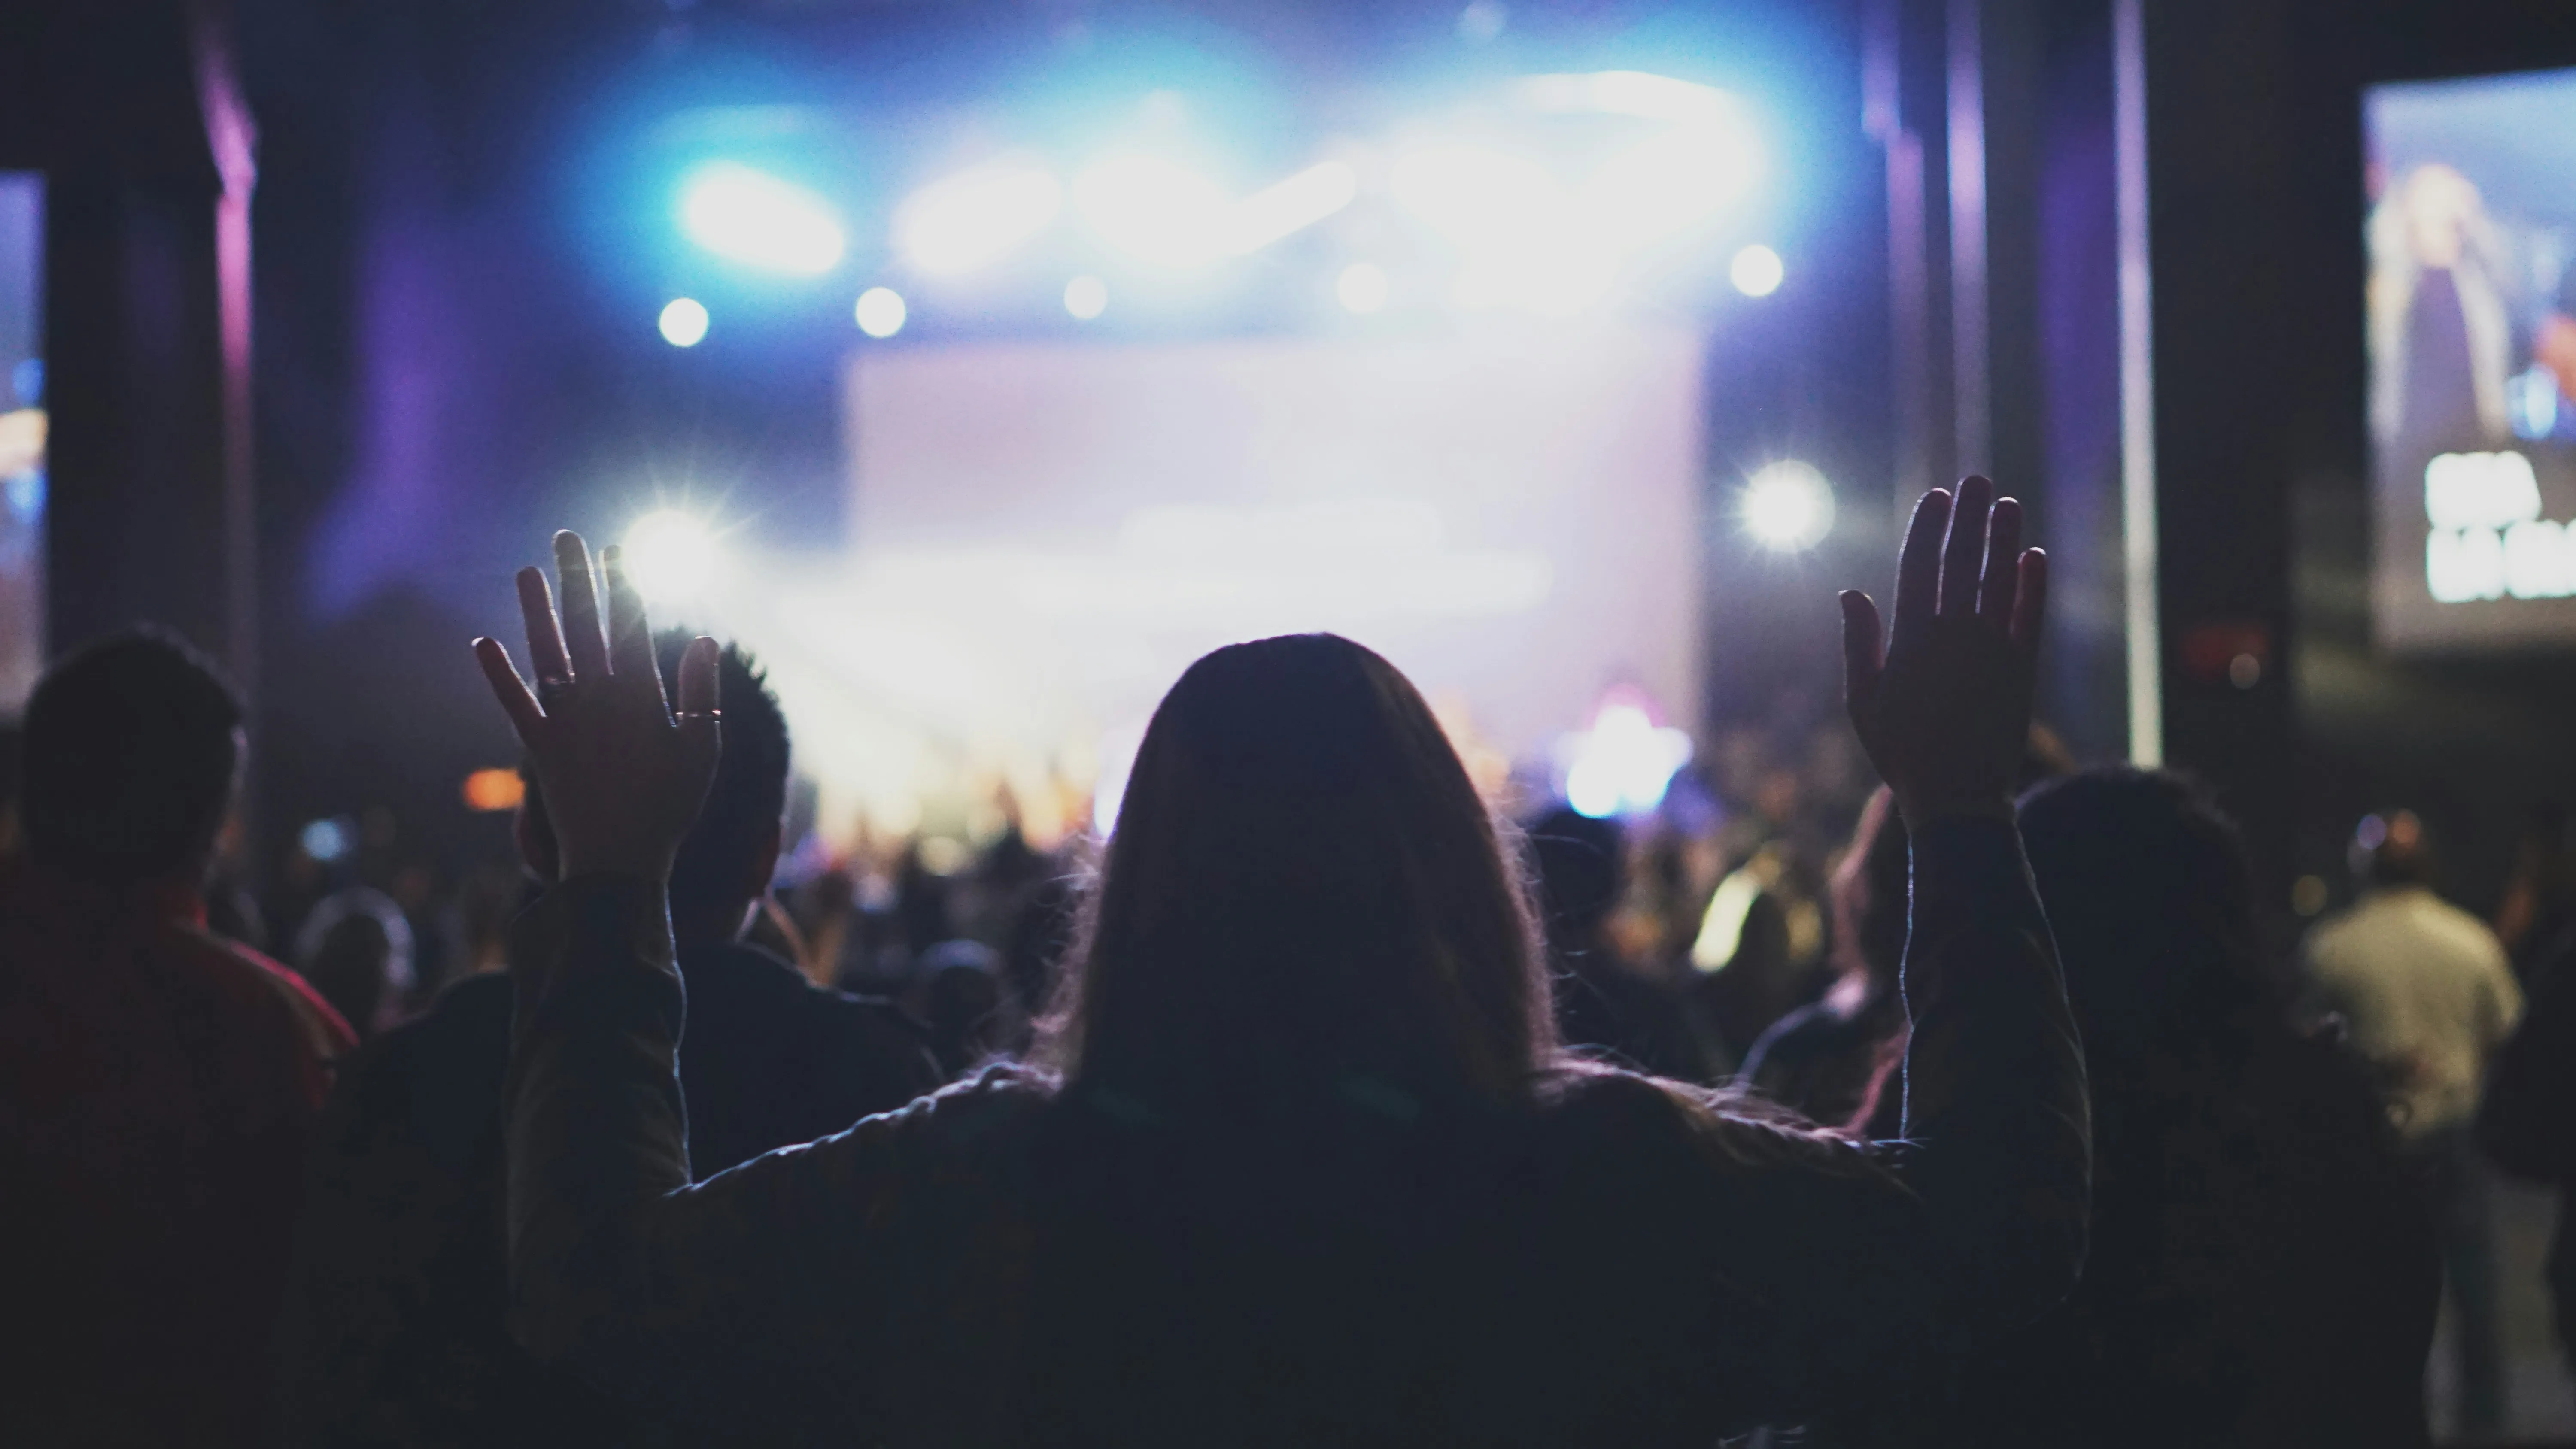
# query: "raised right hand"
x,y
1944,707
622,779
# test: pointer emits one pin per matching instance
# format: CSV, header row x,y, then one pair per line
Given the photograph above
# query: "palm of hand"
x,y
622,779
1944,708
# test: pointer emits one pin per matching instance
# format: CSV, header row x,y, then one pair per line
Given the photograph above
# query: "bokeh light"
x,y
881,312
672,556
1787,506
1757,271
684,322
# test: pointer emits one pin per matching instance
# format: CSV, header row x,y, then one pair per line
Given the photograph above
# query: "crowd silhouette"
x,y
1323,1106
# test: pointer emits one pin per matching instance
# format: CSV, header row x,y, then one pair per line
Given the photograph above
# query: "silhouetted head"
x,y
1303,899
356,949
1581,867
131,749
2151,901
2391,849
727,859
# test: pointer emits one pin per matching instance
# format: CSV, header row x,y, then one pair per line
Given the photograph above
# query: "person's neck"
x,y
178,894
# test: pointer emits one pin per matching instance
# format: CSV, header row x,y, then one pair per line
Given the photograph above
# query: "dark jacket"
x,y
2262,1276
399,1334
1005,1263
158,1089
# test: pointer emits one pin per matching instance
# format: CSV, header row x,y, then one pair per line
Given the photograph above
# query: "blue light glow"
x,y
754,218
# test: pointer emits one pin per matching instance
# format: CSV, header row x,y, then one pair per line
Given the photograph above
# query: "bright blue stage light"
x,y
684,322
754,218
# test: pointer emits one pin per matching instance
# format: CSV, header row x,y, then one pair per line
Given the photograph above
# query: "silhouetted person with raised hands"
x,y
158,1086
2262,1275
1299,1162
400,1335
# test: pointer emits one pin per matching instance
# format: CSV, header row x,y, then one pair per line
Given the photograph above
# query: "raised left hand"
x,y
622,778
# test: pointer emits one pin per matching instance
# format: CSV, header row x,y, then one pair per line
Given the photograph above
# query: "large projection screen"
x,y
1045,533
2472,334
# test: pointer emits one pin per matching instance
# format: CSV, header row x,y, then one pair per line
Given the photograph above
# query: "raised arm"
x,y
699,1301
1973,1223
1997,1136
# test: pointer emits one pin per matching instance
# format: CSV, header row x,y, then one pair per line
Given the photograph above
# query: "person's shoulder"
x,y
965,1128
2474,941
250,978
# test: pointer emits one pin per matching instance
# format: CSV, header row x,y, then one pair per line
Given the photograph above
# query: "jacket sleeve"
x,y
1868,1266
1998,1122
713,1305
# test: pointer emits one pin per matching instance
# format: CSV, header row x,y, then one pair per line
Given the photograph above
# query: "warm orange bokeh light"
x,y
494,790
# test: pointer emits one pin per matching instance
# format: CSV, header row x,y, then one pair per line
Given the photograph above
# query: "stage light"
x,y
1086,297
684,322
754,218
1624,764
881,312
1154,210
672,556
1362,287
972,218
1787,506
1289,206
1474,196
1629,93
1756,271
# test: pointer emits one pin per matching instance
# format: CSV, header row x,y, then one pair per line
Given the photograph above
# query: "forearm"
x,y
596,1131
1996,1118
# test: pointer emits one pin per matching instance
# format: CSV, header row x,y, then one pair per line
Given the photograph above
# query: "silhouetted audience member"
x,y
2262,1272
1300,1163
356,949
969,1007
2527,1122
1604,1003
158,1086
2426,994
1834,1059
2539,905
400,1335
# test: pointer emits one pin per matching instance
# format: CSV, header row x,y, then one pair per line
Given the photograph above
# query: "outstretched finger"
x,y
1863,653
1966,548
584,645
630,639
698,677
701,712
2003,564
2030,609
1918,566
545,641
510,689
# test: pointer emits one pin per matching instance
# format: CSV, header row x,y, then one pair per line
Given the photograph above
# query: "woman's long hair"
x,y
1303,899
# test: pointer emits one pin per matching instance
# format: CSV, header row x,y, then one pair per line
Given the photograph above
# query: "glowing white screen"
x,y
1045,534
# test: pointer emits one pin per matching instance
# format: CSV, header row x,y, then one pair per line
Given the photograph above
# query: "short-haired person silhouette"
x,y
2262,1273
399,1334
158,1086
1299,1161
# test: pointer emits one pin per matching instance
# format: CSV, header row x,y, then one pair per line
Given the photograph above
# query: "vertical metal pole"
x,y
2137,386
1908,247
1971,386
